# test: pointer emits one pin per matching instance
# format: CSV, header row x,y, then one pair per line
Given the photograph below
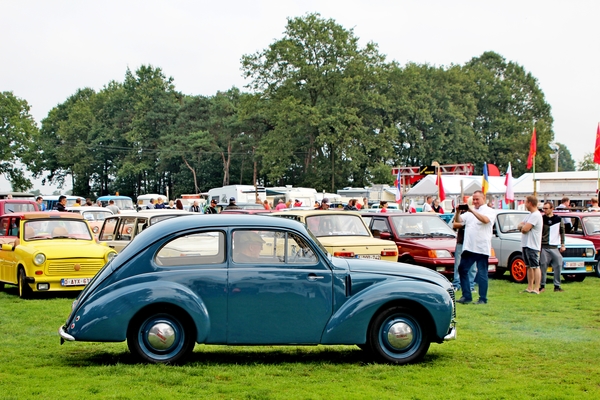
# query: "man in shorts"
x,y
531,243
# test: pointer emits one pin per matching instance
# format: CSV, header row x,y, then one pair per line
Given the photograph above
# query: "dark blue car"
x,y
226,279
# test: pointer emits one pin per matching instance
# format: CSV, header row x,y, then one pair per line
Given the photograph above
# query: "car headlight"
x,y
95,229
110,256
589,252
39,259
439,254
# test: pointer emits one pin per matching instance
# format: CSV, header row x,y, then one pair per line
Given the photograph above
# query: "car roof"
x,y
309,213
577,213
89,208
45,214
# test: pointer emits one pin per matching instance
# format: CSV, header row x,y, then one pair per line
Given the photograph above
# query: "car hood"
x,y
433,243
69,248
569,241
393,269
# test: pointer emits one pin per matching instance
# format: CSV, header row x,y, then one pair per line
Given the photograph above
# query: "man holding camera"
x,y
477,246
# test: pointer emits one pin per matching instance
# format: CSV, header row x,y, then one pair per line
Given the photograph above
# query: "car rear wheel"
x,y
161,337
397,336
24,289
597,267
518,270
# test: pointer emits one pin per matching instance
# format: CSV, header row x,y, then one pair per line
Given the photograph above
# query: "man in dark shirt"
x,y
553,237
62,204
232,205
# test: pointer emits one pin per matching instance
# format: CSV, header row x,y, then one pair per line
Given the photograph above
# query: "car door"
x,y
8,262
283,296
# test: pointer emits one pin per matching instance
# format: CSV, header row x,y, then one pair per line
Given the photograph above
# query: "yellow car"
x,y
343,234
49,251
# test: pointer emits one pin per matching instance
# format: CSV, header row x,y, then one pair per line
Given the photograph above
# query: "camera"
x,y
463,207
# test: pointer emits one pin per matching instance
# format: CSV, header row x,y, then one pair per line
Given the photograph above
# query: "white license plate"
x,y
75,281
574,264
370,256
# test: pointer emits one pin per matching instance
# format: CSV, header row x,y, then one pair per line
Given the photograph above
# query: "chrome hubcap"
x,y
161,336
400,335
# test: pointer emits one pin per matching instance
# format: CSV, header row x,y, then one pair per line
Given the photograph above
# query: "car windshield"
x,y
510,222
58,228
422,226
337,225
96,215
592,225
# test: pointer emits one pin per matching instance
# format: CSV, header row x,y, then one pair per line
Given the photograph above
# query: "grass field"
x,y
519,346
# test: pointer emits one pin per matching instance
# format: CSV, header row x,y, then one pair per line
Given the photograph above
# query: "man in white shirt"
x,y
477,246
531,243
564,207
427,206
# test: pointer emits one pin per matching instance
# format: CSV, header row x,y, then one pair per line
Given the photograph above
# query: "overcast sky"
x,y
49,49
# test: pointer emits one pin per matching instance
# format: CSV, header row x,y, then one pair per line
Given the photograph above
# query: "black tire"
x,y
163,336
574,277
25,291
596,272
397,336
1,285
499,272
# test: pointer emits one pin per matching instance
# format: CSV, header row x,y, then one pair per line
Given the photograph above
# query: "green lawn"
x,y
517,346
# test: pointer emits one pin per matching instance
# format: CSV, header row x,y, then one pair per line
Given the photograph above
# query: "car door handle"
x,y
314,277
112,247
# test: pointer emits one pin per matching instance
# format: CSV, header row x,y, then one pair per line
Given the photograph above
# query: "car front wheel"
x,y
161,337
24,289
398,337
518,269
574,277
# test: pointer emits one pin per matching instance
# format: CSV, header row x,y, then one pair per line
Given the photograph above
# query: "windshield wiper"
x,y
442,234
414,234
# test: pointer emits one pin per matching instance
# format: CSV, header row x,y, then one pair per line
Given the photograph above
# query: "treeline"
x,y
320,111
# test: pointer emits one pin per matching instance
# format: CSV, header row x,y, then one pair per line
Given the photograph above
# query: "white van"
x,y
243,194
145,199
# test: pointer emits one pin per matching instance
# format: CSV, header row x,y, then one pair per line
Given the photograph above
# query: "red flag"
x,y
441,192
532,150
597,150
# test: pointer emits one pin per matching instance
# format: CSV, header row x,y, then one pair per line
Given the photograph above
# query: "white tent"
x,y
454,185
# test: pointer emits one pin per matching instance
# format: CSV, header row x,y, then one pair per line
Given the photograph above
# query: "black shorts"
x,y
531,257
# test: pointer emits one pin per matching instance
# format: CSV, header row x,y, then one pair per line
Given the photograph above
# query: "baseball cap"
x,y
232,199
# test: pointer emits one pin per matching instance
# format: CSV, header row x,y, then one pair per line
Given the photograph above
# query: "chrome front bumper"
x,y
64,335
452,334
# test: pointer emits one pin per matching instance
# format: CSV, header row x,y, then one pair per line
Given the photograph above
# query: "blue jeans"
x,y
472,271
467,259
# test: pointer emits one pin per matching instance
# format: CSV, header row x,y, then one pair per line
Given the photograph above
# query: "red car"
x,y
422,238
585,225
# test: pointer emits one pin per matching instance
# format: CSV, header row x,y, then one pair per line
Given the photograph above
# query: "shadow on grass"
x,y
14,291
207,355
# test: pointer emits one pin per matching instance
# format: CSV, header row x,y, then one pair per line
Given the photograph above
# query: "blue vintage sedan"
x,y
222,279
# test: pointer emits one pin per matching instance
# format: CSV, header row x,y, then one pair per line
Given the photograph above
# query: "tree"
x,y
510,103
587,163
318,89
17,131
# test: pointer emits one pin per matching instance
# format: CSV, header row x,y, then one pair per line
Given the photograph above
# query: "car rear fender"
x,y
431,302
106,317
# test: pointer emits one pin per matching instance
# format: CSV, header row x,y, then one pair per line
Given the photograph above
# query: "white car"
x,y
578,258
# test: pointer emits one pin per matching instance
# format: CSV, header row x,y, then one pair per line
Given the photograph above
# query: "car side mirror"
x,y
385,235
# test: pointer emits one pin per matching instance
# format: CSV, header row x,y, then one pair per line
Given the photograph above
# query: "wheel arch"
x,y
90,322
350,323
165,307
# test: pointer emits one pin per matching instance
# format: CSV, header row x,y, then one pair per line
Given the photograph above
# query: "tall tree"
x,y
319,86
17,131
510,102
565,160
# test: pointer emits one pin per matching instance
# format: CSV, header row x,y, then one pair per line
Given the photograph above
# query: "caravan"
x,y
243,194
305,196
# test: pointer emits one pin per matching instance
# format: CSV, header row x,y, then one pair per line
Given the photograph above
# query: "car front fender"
x,y
106,317
350,323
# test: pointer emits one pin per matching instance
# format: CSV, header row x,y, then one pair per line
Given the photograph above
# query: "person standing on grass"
x,y
553,237
477,246
531,243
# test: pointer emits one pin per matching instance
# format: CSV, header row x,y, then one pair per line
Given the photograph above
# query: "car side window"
x,y
108,230
125,230
577,226
198,249
379,225
271,247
